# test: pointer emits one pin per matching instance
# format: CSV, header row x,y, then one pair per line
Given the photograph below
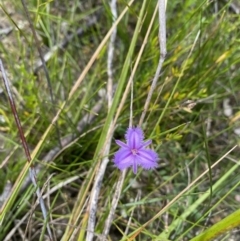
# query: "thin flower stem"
x,y
125,94
163,52
131,105
120,182
25,147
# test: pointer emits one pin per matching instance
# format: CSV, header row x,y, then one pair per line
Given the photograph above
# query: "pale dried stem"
x,y
163,52
131,215
16,226
111,47
101,171
114,204
95,192
22,234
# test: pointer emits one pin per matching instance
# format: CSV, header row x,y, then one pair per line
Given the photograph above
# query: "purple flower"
x,y
134,152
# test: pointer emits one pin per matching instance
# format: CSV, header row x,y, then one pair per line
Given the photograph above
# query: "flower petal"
x,y
122,144
134,137
147,158
121,154
123,159
135,165
145,144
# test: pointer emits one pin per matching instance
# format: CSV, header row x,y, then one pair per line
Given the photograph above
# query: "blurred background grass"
x,y
199,126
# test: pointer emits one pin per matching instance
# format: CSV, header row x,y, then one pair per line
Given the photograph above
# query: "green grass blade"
x,y
199,201
230,222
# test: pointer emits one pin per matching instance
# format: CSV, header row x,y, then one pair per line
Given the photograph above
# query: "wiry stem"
x,y
25,147
163,52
